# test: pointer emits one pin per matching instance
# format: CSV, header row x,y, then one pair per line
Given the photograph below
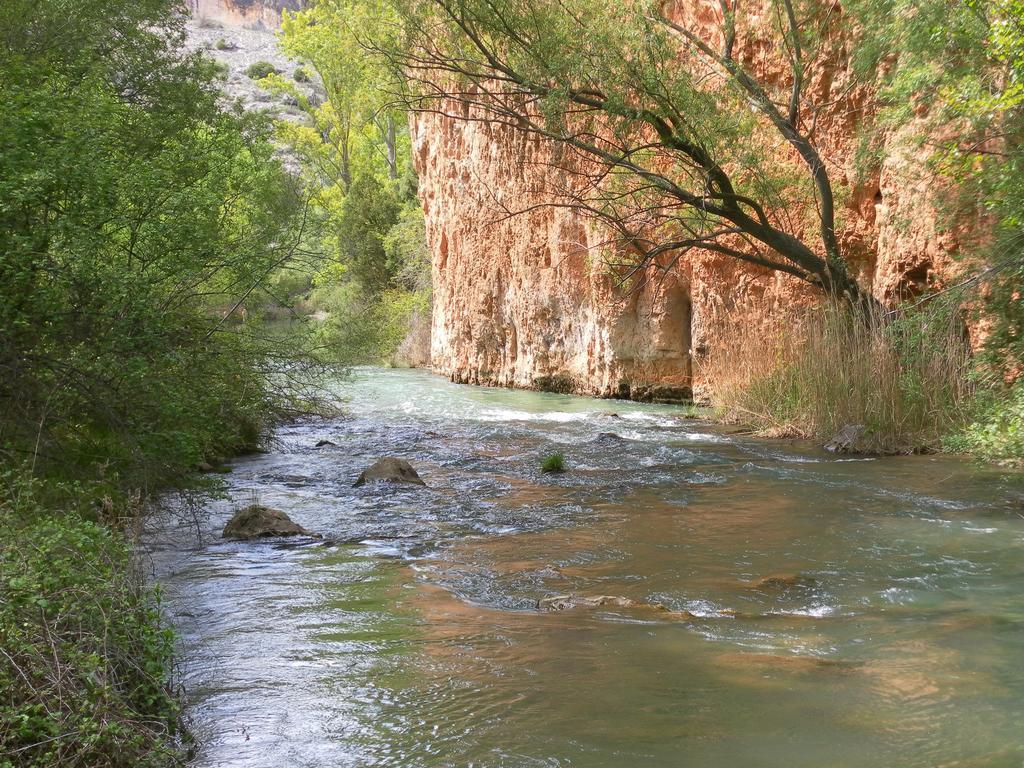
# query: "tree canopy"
x,y
135,211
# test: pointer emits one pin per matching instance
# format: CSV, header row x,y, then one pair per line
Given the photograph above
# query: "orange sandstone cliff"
x,y
524,300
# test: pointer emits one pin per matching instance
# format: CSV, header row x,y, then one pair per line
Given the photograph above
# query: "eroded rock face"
x,y
524,301
256,522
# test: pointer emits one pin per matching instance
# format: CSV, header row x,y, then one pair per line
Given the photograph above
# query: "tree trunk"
x,y
391,140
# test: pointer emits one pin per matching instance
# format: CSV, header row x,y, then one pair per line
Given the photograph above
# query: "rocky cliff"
x,y
523,300
249,14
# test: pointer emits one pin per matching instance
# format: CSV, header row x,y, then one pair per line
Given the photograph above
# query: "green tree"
x,y
360,124
368,214
135,215
356,165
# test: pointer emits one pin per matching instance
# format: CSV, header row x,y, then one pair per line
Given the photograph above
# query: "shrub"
x,y
553,463
996,432
86,661
223,45
301,75
260,69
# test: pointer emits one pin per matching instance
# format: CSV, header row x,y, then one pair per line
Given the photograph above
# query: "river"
x,y
811,610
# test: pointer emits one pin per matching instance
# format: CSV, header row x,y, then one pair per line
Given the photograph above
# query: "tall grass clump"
x,y
905,377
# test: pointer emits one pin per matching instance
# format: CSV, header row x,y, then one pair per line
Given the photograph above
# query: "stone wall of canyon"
x,y
524,300
248,14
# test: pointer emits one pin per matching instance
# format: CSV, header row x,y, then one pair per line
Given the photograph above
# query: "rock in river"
x,y
389,470
258,522
848,440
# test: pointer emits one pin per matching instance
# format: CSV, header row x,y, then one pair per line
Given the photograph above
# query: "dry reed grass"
x,y
905,377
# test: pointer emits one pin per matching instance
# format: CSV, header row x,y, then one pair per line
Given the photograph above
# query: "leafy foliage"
x,y
135,215
260,69
369,212
138,220
997,431
355,155
86,657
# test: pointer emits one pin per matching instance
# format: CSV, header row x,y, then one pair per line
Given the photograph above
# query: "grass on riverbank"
x,y
907,380
84,655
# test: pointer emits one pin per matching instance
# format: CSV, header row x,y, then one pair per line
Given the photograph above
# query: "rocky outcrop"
x,y
524,300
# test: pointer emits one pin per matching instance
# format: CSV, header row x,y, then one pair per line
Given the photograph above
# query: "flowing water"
x,y
891,635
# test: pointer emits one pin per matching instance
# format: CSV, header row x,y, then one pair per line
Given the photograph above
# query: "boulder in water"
x,y
326,444
847,439
389,470
256,522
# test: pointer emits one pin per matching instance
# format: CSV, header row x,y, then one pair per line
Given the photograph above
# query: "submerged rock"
x,y
566,602
784,581
257,522
759,663
326,444
389,470
847,440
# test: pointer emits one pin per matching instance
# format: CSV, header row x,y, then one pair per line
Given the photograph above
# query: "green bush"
x,y
301,75
260,69
997,431
553,463
86,658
